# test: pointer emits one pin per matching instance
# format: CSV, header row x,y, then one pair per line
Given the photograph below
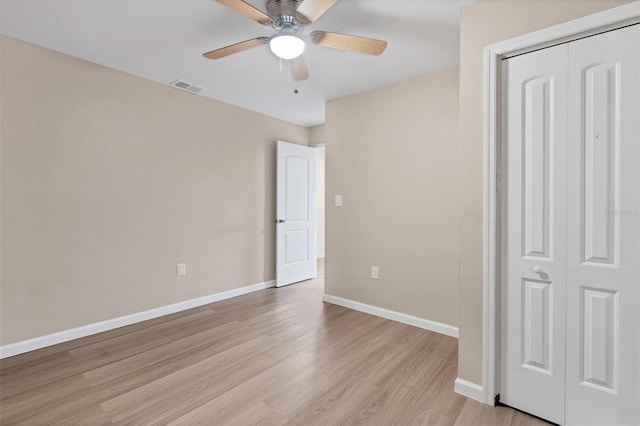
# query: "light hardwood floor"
x,y
278,356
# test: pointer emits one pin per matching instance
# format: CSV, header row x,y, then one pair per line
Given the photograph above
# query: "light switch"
x,y
338,200
181,269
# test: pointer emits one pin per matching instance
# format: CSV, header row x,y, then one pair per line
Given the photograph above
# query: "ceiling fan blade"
x,y
370,46
236,48
247,10
299,70
310,10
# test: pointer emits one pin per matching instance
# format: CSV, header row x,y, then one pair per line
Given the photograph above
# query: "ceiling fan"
x,y
289,18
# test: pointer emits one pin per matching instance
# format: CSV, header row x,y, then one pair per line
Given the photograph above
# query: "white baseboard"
x,y
98,327
438,327
469,389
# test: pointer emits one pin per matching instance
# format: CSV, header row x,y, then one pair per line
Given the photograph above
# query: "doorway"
x,y
320,196
320,204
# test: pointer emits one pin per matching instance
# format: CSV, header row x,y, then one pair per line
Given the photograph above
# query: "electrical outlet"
x,y
181,269
338,200
374,272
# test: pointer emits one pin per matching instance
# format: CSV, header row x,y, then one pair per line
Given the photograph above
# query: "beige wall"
x,y
393,153
484,23
109,180
317,134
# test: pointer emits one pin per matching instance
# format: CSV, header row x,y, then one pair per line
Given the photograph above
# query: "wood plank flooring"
x,y
278,356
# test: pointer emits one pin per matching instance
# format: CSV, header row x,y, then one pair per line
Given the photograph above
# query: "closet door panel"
x,y
603,256
534,226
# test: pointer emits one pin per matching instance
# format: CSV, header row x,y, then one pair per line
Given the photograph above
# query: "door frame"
x,y
607,20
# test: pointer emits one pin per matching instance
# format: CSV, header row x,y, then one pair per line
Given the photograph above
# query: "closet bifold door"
x,y
570,226
533,226
603,257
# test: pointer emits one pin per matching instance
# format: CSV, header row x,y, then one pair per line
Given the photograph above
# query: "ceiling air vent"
x,y
186,86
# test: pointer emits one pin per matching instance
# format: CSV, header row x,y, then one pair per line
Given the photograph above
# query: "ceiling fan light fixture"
x,y
287,46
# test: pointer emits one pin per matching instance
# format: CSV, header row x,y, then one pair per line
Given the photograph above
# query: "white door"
x,y
570,292
603,275
295,214
533,290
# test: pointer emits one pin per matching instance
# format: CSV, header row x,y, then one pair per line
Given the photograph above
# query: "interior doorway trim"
x,y
583,27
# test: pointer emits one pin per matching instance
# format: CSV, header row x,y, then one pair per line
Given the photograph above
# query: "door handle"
x,y
538,270
280,220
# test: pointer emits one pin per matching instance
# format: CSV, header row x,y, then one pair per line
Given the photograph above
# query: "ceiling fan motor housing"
x,y
283,13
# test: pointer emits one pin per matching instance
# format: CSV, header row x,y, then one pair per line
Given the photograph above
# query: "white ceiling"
x,y
163,40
